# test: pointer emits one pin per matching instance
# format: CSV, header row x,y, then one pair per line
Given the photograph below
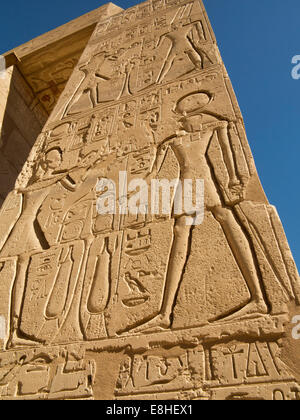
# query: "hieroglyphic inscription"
x,y
149,100
230,372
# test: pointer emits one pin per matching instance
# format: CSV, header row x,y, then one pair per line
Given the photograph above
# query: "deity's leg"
x,y
241,250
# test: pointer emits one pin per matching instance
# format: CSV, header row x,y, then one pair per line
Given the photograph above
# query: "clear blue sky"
x,y
257,39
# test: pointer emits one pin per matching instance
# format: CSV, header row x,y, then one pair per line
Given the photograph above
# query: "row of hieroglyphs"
x,y
231,371
145,12
55,374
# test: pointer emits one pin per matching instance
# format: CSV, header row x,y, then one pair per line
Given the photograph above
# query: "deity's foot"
x,y
252,310
159,323
14,342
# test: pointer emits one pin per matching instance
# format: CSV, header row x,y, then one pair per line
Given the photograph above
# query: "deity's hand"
x,y
235,192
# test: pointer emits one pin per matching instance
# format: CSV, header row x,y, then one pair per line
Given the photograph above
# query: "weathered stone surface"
x,y
168,304
37,74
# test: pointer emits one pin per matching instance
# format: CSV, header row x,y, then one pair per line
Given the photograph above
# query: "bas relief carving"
x,y
149,98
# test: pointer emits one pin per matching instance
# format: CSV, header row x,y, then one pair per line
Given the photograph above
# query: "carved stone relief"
x,y
192,310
